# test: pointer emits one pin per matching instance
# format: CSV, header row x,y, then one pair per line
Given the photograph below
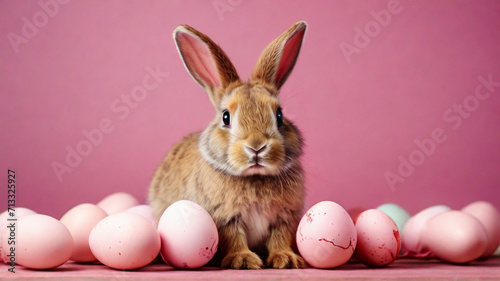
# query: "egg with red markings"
x,y
189,237
378,242
326,235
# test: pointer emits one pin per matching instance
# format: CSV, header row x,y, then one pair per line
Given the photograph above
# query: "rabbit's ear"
x,y
278,58
206,62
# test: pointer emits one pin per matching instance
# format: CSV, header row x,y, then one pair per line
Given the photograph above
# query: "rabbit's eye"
x,y
279,117
226,118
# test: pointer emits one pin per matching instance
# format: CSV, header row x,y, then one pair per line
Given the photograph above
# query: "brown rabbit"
x,y
244,168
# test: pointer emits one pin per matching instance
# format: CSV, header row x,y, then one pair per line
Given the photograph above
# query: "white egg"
x,y
412,232
124,241
80,220
455,237
18,212
40,241
489,216
189,237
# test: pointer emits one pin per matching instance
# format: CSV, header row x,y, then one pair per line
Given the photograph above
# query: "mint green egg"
x,y
399,215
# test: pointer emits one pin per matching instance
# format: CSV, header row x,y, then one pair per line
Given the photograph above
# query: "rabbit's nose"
x,y
254,150
255,143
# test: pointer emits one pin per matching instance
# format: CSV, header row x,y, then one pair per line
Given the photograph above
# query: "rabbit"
x,y
244,168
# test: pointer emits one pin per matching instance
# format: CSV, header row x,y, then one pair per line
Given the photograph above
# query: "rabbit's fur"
x,y
246,172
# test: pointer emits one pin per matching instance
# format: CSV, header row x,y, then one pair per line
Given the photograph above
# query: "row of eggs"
x,y
122,234
328,236
117,232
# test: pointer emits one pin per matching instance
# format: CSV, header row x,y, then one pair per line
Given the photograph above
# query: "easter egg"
x,y
124,241
455,237
16,213
412,232
326,235
189,237
80,220
41,242
489,216
378,242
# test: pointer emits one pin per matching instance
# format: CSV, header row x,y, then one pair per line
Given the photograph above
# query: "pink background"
x,y
357,116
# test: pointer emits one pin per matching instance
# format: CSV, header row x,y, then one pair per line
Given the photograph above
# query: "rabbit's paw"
x,y
242,260
285,259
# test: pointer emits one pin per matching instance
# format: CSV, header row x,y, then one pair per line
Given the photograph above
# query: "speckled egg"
x,y
378,242
189,237
124,241
326,235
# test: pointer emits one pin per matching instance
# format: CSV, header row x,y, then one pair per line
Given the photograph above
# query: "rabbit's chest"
x,y
256,223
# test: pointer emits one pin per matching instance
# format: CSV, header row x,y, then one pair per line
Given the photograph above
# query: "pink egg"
x,y
80,220
117,202
326,235
412,232
41,242
455,237
189,237
124,241
378,238
143,210
18,212
489,216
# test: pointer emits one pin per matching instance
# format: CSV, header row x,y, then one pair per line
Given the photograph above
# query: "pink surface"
x,y
363,102
403,269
